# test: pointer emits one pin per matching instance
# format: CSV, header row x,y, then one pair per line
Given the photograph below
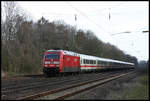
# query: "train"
x,y
63,61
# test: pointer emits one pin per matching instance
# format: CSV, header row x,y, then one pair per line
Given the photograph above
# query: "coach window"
x,y
101,62
116,64
119,64
94,62
104,63
90,61
84,61
113,63
87,61
108,63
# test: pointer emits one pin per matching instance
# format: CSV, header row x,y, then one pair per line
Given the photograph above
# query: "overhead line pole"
x,y
107,32
73,36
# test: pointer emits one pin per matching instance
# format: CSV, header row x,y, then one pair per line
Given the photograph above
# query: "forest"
x,y
23,42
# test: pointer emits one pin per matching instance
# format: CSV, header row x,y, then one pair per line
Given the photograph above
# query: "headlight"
x,y
56,62
47,62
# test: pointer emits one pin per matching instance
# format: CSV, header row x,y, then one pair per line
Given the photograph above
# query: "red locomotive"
x,y
62,61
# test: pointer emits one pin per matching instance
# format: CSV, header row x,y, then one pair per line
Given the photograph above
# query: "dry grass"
x,y
138,88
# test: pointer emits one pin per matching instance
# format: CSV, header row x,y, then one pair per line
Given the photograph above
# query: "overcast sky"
x,y
94,16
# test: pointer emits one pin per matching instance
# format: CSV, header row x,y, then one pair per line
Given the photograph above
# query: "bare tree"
x,y
10,15
10,21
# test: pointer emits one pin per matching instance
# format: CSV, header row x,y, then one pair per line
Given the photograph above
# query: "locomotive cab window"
x,y
52,56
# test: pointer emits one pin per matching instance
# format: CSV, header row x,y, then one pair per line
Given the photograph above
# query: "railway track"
x,y
20,84
52,86
62,93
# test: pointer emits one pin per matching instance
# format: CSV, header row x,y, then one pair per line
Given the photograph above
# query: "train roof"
x,y
65,52
102,59
89,56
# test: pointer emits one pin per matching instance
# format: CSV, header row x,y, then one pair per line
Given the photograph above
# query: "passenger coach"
x,y
62,61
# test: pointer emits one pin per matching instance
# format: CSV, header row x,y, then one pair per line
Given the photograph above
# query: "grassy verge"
x,y
8,74
139,90
136,89
13,74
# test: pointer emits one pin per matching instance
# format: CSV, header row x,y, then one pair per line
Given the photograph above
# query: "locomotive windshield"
x,y
52,56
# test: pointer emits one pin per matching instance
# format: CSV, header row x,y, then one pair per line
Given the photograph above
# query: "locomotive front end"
x,y
51,63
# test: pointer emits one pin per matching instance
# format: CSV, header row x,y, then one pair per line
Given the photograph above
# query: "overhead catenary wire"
x,y
82,13
90,19
105,8
86,17
97,24
53,13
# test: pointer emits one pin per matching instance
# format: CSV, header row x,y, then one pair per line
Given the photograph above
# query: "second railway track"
x,y
55,87
62,93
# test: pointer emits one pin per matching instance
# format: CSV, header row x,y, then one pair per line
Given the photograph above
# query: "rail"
x,y
62,93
